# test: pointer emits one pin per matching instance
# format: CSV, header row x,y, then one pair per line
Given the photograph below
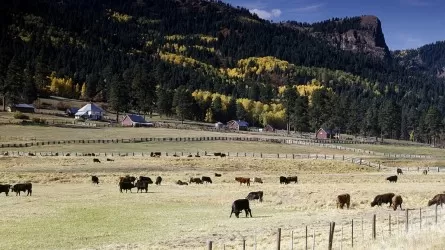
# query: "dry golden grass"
x,y
189,147
415,149
67,212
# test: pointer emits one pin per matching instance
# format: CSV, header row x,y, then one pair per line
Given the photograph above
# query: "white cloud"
x,y
264,14
309,8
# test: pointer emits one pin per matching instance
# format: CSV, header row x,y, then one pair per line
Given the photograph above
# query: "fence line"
x,y
317,143
350,232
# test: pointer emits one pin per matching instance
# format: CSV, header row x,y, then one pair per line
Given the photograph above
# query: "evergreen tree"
x,y
164,102
289,98
299,114
29,91
118,98
144,90
13,83
241,113
434,124
182,103
232,109
217,109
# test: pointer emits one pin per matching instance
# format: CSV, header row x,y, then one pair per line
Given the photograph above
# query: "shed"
x,y
237,125
90,111
131,120
219,125
323,133
268,128
24,108
71,111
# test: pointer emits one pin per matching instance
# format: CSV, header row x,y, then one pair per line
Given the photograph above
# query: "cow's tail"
x,y
231,213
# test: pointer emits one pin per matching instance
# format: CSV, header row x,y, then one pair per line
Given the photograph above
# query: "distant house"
x,y
135,121
89,111
268,128
237,125
71,111
219,125
24,108
327,134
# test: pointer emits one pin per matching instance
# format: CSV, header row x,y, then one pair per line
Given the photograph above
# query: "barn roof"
x,y
23,105
89,107
242,123
72,110
136,118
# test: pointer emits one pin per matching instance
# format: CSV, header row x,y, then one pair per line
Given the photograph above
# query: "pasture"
x,y
66,211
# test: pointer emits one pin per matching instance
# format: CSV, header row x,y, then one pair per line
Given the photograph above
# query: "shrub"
x,y
20,115
38,120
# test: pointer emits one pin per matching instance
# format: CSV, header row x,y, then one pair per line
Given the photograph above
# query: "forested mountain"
x,y
209,61
429,59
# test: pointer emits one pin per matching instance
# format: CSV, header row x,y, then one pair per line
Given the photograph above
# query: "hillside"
x,y
429,59
357,34
158,55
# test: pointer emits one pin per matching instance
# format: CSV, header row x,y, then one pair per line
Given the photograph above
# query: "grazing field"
x,y
416,149
67,211
43,133
188,147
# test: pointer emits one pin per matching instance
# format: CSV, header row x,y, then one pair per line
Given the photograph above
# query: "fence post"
x,y
407,221
435,214
420,214
306,230
373,227
209,245
244,243
352,233
331,234
279,239
363,233
292,240
341,239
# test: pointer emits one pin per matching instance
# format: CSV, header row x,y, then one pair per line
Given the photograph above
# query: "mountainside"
x,y
207,61
357,34
429,59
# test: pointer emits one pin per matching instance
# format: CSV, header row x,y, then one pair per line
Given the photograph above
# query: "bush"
x,y
20,115
38,120
62,106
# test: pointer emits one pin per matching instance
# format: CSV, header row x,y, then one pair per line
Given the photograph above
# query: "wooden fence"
x,y
317,143
349,233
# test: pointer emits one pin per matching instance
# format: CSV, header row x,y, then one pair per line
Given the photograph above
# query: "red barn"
x,y
135,121
326,134
237,125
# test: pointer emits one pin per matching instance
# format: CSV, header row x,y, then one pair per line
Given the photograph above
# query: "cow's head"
x,y
373,203
431,202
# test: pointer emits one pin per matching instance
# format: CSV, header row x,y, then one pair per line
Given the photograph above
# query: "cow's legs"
x,y
231,213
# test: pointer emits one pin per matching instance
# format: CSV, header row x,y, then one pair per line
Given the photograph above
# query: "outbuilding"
x,y
90,111
323,134
132,120
24,108
237,125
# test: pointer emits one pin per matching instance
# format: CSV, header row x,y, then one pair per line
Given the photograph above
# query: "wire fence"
x,y
347,233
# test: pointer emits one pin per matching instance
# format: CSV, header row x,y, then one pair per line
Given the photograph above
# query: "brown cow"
x,y
438,199
342,200
382,198
397,201
425,172
257,180
242,180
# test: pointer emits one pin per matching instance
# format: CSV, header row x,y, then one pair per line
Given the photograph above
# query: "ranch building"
x,y
24,108
324,134
237,125
132,120
71,111
268,128
90,111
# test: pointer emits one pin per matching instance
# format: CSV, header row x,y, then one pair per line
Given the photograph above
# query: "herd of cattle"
x,y
129,182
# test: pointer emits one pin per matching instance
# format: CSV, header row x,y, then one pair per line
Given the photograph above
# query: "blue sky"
x,y
406,23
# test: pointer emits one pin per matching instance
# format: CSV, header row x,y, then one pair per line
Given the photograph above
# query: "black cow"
x,y
95,179
283,180
195,180
126,186
96,160
240,205
399,171
158,180
217,154
141,185
127,178
155,154
382,198
5,189
392,178
179,182
22,187
217,175
255,196
108,159
292,178
223,155
146,179
206,179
